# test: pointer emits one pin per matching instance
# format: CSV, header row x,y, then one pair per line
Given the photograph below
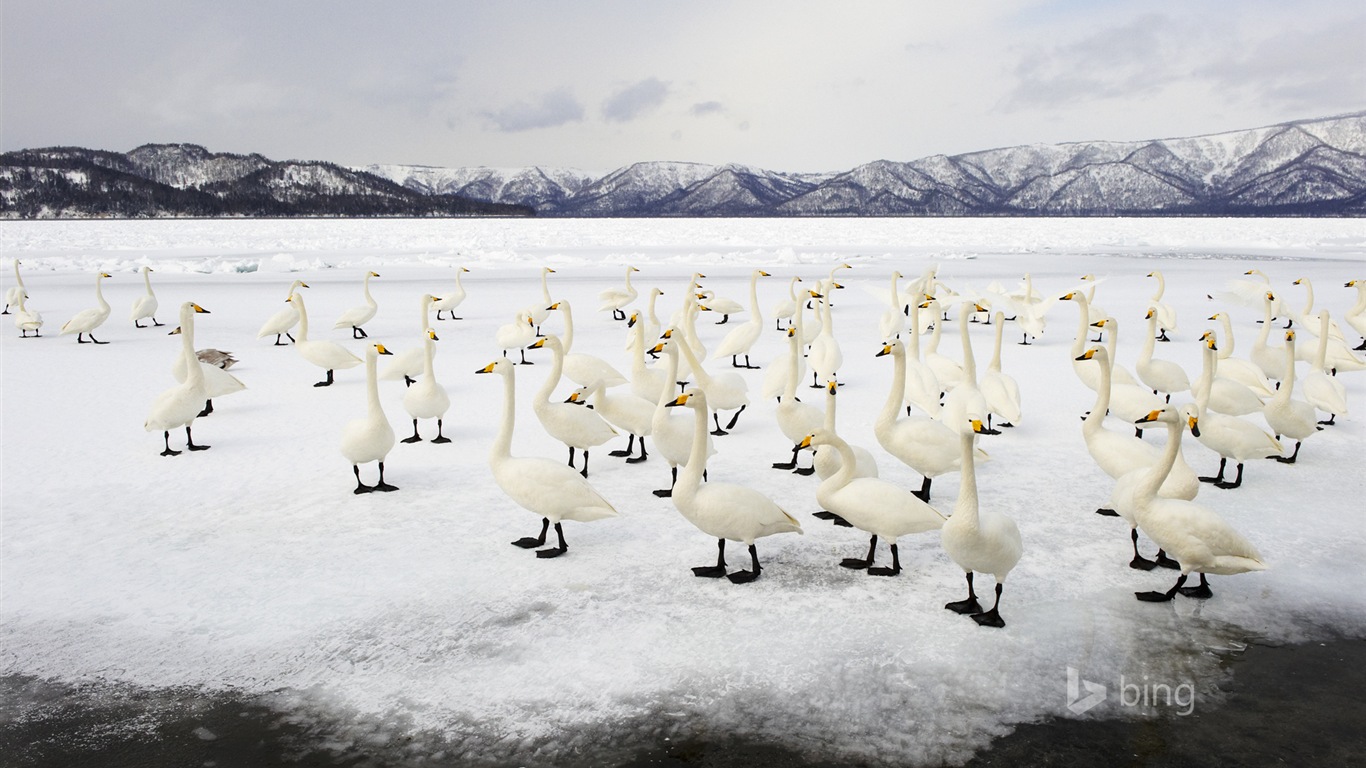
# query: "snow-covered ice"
x,y
252,567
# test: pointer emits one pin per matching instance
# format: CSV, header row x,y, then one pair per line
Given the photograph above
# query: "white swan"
x,y
828,461
710,302
652,325
795,418
965,402
1309,319
926,445
1228,436
646,383
1166,315
86,321
1322,391
369,438
426,398
869,504
824,357
781,369
217,382
724,510
979,540
892,322
1194,535
145,306
1161,376
180,405
580,368
1250,293
616,299
627,412
408,364
1000,388
539,312
541,486
786,308
357,316
576,427
1271,360
517,335
1356,316
26,319
1220,394
328,355
1031,311
282,322
1243,371
673,435
923,389
15,293
1086,369
727,391
1294,419
447,302
742,337
1127,401
947,371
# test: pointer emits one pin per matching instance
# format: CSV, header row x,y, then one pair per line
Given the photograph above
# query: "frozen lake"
x,y
252,568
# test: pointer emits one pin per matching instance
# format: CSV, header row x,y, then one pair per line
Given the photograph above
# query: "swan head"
x,y
1350,284
426,299
104,275
502,366
1270,296
547,271
1094,353
975,425
632,269
552,341
556,305
463,269
816,294
1070,296
146,269
635,318
791,332
762,273
832,387
889,348
693,398
373,274
1297,282
1151,314
380,350
431,334
1290,336
1167,415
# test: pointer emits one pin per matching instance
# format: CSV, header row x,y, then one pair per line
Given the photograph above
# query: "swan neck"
x,y
995,364
1083,326
1321,355
898,392
193,373
969,362
1161,286
967,482
1097,414
147,281
429,356
553,380
691,475
913,344
848,462
298,301
1146,354
756,316
666,393
372,384
793,365
1227,349
1158,474
568,340
1288,381
1209,366
703,378
365,288
502,446
829,422
99,292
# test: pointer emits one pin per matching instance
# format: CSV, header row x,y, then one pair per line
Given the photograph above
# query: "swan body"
x,y
1164,313
408,364
15,293
795,418
720,305
726,391
426,398
328,355
1322,391
672,434
742,337
1294,419
357,316
1161,376
781,369
978,540
1000,389
1242,371
1266,357
369,438
517,334
646,383
625,411
580,368
87,320
546,488
26,319
1228,436
282,322
825,356
616,299
145,306
576,427
786,308
448,302
923,389
1223,395
217,382
180,405
724,511
829,460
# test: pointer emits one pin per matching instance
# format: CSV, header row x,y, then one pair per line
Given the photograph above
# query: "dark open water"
x,y
1292,705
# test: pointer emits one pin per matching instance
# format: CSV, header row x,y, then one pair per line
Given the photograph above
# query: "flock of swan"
x,y
685,399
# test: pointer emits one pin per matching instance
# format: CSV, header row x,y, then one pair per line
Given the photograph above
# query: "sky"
x,y
786,85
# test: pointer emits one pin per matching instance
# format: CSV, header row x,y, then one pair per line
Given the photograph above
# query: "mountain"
x,y
1301,168
170,180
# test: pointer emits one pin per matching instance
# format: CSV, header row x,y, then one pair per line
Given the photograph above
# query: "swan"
x,y
541,486
617,298
646,383
1292,418
825,356
1228,436
673,435
1161,376
580,368
723,510
627,412
892,321
1322,391
795,418
652,325
1222,395
999,388
426,398
1356,316
1086,370
1196,536
979,540
26,319
1031,310
726,390
145,306
785,309
1095,313
283,321
1243,371
923,389
180,405
1166,315
87,320
1271,360
517,335
1309,319
447,302
1128,401
328,355
15,293
828,460
217,381
948,372
781,369
965,401
685,320
723,306
357,316
539,312
872,505
742,337
1250,293
408,364
578,428
369,438
927,446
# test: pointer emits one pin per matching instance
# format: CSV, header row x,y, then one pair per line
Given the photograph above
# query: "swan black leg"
x,y
643,455
968,606
1332,420
1218,479
854,562
279,343
168,452
791,464
630,448
358,332
1139,563
1162,597
530,543
156,324
381,485
208,409
326,382
744,577
665,493
585,464
137,324
991,618
1291,458
360,487
1361,347
189,440
814,383
416,438
736,417
571,458
1025,341
524,360
95,340
989,430
1163,336
896,565
80,340
1166,562
924,493
714,571
723,320
1237,481
440,438
408,381
1200,592
716,416
555,551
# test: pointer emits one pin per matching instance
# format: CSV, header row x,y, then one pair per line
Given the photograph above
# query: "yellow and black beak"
x,y
1100,323
176,332
764,274
680,400
1289,335
374,274
805,443
431,334
1150,418
556,305
200,310
1149,315
1087,355
832,386
573,397
976,426
105,274
488,368
1069,296
1194,424
635,316
380,349
537,344
303,285
791,332
886,350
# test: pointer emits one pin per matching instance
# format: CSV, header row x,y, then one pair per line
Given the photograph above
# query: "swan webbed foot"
x,y
1332,421
709,571
156,324
1107,512
555,551
968,606
441,439
896,563
416,438
991,618
327,382
1361,347
804,471
169,452
663,493
618,454
278,343
1237,481
718,432
1162,597
893,571
408,381
531,543
385,487
1199,592
742,577
636,459
1166,562
855,564
364,489
1140,563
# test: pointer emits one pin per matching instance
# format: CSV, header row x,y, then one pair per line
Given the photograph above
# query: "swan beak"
x,y
1099,323
1150,274
1069,297
836,285
551,271
764,274
1087,355
667,334
1297,282
556,305
1194,424
462,269
700,275
886,350
791,332
1289,335
632,322
704,308
105,274
201,310
1270,296
805,443
536,344
432,335
573,398
380,349
1350,284
1248,272
1149,315
634,269
1214,316
978,308
487,369
656,349
682,400
303,285
1211,345
976,426
831,386
176,332
816,295
374,274
1151,417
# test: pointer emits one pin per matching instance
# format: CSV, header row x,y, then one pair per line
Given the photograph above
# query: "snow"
x,y
252,566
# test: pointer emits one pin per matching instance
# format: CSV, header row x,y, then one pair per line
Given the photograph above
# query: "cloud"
x,y
635,100
554,108
703,108
1298,70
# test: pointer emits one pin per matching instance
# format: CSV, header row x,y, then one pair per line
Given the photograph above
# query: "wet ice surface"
x,y
251,567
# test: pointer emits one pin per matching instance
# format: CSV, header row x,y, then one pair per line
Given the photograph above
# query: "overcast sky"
x,y
785,85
